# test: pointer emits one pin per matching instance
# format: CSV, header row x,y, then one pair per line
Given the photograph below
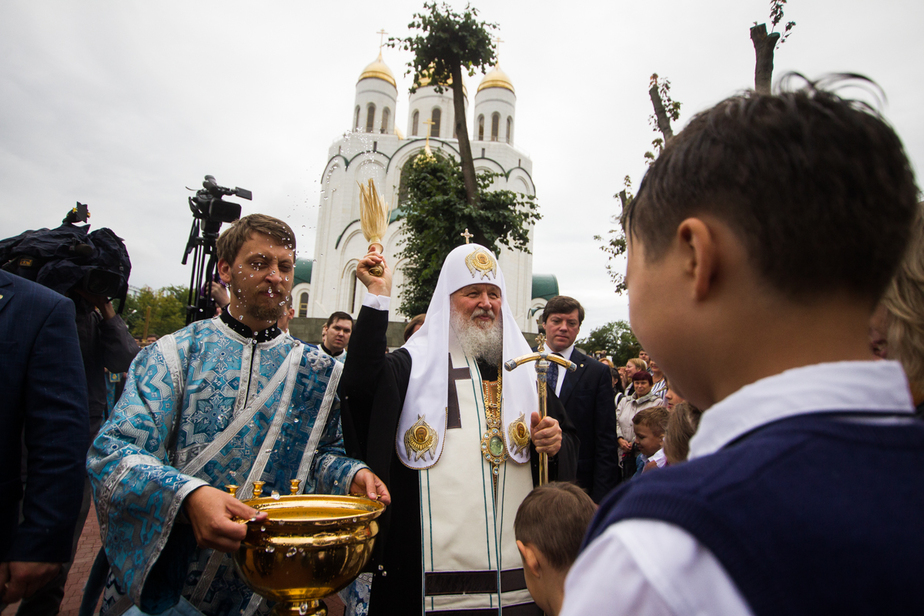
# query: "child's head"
x,y
681,426
549,527
671,397
649,429
763,209
778,169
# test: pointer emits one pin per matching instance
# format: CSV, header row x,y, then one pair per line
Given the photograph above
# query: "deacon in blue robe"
x,y
211,405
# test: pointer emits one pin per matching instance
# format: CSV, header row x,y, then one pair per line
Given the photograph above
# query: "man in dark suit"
x,y
44,406
587,395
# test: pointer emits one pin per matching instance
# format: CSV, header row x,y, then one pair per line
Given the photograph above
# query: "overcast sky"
x,y
121,104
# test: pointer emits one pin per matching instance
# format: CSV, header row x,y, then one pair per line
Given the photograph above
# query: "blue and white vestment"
x,y
207,406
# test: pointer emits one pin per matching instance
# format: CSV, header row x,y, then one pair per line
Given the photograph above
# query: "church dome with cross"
x,y
374,149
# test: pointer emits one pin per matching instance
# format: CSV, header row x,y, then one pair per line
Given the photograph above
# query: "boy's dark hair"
x,y
554,518
643,376
817,188
336,316
231,240
654,418
562,304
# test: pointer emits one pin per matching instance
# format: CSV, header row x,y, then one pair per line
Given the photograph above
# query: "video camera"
x,y
70,257
209,211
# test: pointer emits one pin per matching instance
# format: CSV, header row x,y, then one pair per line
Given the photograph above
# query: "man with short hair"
x,y
455,436
224,401
335,335
762,322
587,395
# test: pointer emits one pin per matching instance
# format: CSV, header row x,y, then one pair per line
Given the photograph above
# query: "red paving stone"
x,y
89,545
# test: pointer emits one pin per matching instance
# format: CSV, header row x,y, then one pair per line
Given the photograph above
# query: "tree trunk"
x,y
664,122
465,148
764,46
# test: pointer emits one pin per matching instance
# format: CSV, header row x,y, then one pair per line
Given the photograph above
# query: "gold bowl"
x,y
310,546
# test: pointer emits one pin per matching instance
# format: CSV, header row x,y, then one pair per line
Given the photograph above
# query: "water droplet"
x,y
269,549
292,552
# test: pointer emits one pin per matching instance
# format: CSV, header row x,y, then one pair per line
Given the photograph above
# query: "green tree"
x,y
449,43
615,339
168,310
437,212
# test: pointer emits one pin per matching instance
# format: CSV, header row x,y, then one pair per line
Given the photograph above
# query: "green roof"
x,y
545,286
303,270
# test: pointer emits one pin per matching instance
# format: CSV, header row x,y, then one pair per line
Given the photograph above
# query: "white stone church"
x,y
376,148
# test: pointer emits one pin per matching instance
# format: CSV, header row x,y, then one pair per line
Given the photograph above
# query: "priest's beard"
x,y
484,341
256,303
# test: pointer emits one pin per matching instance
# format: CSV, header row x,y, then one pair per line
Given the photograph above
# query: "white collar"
x,y
566,353
848,386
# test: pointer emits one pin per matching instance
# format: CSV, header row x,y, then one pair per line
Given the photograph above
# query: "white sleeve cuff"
x,y
377,302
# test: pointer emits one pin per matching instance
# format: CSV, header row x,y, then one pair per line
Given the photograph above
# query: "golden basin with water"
x,y
310,546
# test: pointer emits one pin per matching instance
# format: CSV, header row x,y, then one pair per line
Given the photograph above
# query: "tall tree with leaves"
x,y
666,110
449,43
167,310
615,339
436,213
765,45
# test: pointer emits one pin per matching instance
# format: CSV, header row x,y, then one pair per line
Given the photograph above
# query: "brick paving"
x,y
87,549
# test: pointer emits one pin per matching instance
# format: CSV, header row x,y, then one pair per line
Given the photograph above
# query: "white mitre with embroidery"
x,y
426,403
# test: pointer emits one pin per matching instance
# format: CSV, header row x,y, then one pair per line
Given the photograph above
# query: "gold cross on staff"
x,y
381,34
467,235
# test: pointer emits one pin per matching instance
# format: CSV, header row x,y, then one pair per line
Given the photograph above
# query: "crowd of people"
x,y
724,472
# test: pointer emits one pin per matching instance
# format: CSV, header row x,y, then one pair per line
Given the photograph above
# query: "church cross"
x,y
497,42
454,418
381,34
429,123
467,235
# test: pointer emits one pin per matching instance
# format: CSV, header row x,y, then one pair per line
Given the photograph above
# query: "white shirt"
x,y
649,567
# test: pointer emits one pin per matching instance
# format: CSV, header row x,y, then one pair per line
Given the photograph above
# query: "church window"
x,y
353,291
356,119
303,305
495,125
435,118
386,116
370,118
509,129
415,120
481,128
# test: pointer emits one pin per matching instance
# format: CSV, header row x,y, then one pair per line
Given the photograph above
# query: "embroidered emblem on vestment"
x,y
481,261
519,434
421,438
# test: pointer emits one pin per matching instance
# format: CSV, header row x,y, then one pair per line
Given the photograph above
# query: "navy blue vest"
x,y
808,515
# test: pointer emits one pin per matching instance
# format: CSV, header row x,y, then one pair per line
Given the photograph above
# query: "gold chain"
x,y
493,447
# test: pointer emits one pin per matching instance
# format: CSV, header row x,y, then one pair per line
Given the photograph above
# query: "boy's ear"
x,y
699,243
530,558
224,271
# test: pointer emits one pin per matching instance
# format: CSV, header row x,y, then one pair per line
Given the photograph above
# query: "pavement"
x,y
89,545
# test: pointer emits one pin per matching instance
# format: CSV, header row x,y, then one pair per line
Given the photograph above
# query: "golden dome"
x,y
496,79
378,70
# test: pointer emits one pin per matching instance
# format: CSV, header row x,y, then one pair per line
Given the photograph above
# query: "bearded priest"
x,y
455,437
